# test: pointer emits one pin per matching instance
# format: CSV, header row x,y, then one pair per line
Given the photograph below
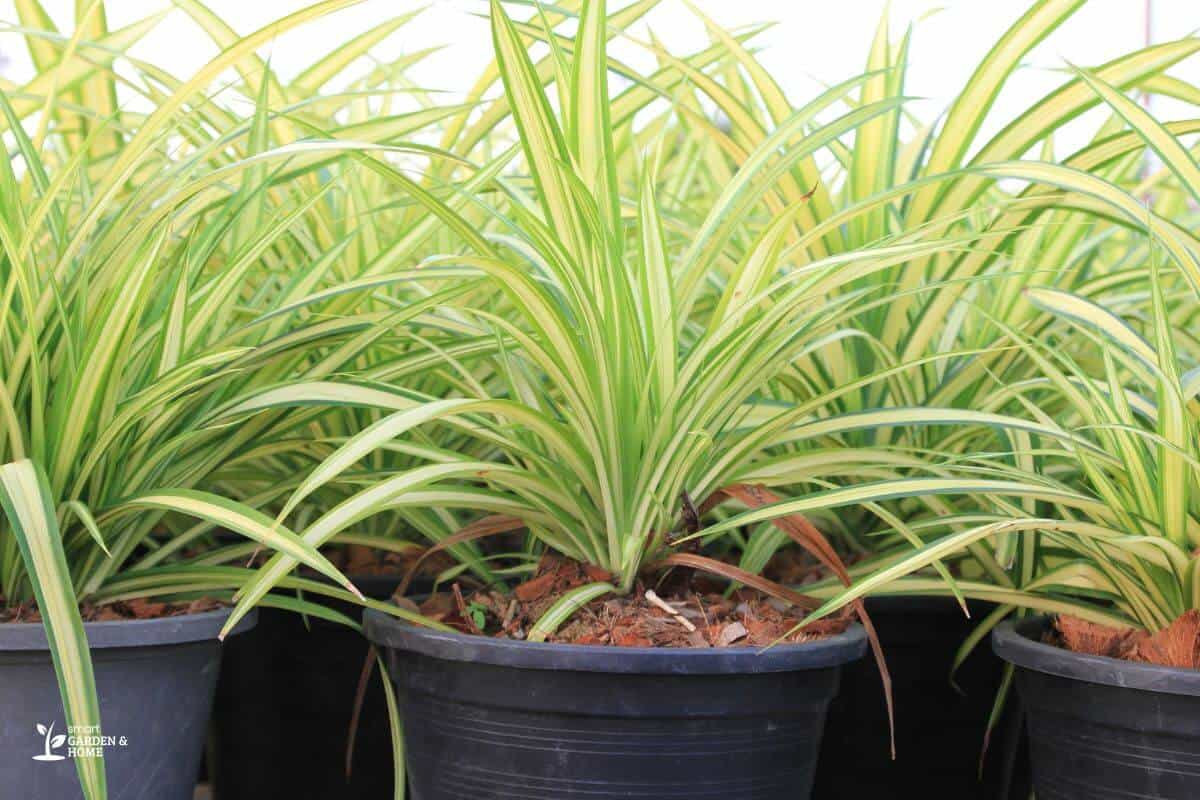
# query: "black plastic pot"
x,y
1101,728
155,681
490,719
939,730
283,709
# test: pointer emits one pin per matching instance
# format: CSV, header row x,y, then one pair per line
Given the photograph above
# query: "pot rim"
x,y
1015,641
387,631
180,629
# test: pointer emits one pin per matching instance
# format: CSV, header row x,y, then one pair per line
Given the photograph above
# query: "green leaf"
x,y
245,520
565,607
29,508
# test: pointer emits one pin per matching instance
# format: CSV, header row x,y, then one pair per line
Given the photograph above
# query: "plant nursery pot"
x,y
1102,728
284,704
491,719
155,681
939,730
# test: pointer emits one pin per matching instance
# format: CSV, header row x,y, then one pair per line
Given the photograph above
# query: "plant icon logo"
x,y
51,741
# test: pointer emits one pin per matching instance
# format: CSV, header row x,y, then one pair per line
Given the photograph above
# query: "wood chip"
x,y
1177,645
535,589
1092,638
658,602
731,633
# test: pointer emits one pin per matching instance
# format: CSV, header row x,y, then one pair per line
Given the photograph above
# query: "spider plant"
x,y
922,357
1079,496
951,359
148,268
1097,515
606,395
1108,413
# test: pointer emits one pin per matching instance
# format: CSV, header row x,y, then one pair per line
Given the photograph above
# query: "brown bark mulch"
x,y
120,610
1177,645
745,618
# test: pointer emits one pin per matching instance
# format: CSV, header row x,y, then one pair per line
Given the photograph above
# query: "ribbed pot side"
x,y
155,680
494,719
1101,728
